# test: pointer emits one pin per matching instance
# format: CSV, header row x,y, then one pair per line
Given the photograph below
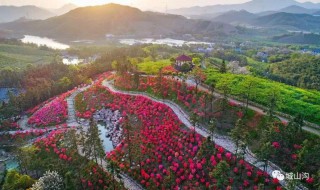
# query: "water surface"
x,y
106,141
41,41
164,41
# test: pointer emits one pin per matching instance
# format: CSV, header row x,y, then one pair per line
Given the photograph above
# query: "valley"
x,y
112,97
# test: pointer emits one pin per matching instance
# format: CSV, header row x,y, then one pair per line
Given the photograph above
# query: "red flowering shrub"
x,y
57,149
8,125
53,113
199,102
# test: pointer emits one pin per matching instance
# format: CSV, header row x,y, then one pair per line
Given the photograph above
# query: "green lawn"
x,y
292,100
19,56
152,67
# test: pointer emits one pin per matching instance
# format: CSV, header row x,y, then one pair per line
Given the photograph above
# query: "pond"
x,y
106,141
110,130
73,61
164,41
11,164
41,41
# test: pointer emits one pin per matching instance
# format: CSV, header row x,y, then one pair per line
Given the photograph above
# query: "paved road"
x,y
72,119
222,141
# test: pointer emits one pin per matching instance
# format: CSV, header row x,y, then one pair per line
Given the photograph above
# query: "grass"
x,y
291,100
19,56
152,67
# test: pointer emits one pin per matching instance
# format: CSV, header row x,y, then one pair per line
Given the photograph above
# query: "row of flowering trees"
x,y
190,98
160,153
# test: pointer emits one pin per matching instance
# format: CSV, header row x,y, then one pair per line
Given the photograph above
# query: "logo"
x,y
277,174
290,176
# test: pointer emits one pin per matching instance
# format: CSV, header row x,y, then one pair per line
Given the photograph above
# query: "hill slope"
x,y
236,17
290,21
97,21
298,10
11,13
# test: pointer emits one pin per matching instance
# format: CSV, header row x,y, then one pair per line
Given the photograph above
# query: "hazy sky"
x,y
143,4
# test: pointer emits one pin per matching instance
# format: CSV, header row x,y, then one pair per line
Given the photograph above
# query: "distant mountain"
x,y
11,13
64,9
298,10
97,21
254,6
316,13
275,20
289,21
265,13
236,17
298,38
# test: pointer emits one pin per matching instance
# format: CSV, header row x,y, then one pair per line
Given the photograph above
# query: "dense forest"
x,y
300,70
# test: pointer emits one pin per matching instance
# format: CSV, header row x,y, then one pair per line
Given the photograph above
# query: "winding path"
x,y
222,141
72,119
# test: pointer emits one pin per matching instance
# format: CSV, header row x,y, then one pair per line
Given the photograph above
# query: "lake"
x,y
164,41
41,41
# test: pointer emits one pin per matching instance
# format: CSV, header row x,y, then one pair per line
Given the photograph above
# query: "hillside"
x,y
236,17
298,38
301,71
298,10
11,13
118,20
289,21
20,56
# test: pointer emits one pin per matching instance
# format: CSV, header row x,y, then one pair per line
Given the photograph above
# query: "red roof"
x,y
184,58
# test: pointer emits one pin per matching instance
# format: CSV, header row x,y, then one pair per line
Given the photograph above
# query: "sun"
x,y
100,2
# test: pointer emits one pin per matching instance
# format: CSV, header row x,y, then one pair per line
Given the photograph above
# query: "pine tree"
x,y
223,67
93,145
220,173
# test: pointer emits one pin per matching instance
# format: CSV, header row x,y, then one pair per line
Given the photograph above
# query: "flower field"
x,y
166,154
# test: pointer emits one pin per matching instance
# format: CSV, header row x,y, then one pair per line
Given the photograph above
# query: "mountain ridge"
x,y
118,20
254,6
11,13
